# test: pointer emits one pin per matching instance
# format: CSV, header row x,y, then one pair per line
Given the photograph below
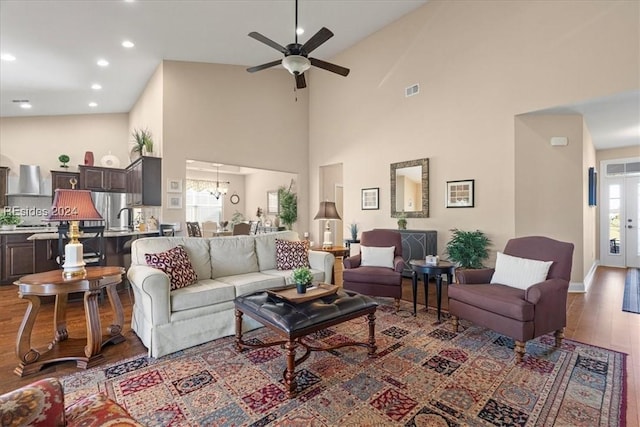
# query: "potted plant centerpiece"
x,y
467,249
302,277
9,220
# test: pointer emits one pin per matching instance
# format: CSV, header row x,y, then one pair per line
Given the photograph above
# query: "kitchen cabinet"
x,y
4,172
144,182
62,179
18,255
103,179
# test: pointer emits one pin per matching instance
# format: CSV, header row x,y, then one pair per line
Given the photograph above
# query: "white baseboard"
x,y
578,287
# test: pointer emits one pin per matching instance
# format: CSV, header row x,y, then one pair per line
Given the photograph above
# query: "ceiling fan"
x,y
296,56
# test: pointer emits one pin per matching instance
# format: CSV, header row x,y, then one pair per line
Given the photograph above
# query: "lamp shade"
x,y
327,210
73,205
296,64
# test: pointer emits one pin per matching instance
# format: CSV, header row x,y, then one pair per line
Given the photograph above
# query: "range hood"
x,y
28,181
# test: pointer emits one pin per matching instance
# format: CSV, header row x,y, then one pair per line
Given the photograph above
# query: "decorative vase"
x,y
402,224
88,158
301,288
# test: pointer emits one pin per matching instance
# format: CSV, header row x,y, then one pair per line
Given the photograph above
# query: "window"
x,y
202,205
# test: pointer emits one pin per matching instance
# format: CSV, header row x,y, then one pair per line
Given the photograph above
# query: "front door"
x,y
620,220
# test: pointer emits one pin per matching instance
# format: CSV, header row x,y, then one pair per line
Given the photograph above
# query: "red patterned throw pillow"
x,y
290,255
175,263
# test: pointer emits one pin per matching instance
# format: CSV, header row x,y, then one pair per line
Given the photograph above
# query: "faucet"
x,y
129,217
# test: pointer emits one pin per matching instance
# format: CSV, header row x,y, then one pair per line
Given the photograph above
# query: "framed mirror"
x,y
410,188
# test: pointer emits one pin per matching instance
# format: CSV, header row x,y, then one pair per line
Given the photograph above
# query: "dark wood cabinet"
x,y
416,244
144,182
103,179
62,179
18,257
4,173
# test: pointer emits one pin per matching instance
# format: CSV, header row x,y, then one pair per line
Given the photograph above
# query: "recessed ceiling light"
x,y
299,31
128,44
96,86
102,62
7,57
93,104
25,105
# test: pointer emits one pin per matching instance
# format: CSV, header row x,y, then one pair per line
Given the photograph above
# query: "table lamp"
x,y
73,206
329,212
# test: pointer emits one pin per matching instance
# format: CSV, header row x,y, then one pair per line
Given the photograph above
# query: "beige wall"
x,y
40,140
257,185
147,112
478,64
222,113
616,153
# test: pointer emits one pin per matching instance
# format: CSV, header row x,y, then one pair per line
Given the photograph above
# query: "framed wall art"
x,y
174,186
174,201
460,194
370,198
273,203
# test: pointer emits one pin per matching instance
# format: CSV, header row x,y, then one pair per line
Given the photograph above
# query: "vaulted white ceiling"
x,y
57,43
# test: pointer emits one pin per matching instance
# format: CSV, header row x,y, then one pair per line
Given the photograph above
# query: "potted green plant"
x,y
142,142
402,221
302,277
64,159
467,249
353,228
9,220
288,212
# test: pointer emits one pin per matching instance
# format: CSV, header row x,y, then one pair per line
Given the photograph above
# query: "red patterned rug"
x,y
424,374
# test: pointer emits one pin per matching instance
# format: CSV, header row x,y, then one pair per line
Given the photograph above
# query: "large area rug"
x,y
631,298
425,374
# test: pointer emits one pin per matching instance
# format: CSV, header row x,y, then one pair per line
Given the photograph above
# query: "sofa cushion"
x,y
504,300
175,263
266,247
291,255
201,294
233,255
519,273
253,282
197,248
372,256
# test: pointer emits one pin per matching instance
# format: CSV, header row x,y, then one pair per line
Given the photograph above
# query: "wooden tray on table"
x,y
314,292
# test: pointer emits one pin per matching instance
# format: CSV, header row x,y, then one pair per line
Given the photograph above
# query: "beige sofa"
x,y
167,321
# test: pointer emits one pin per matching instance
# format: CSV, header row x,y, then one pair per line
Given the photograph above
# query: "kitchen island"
x,y
33,250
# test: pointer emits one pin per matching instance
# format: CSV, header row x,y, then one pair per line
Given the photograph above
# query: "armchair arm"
x,y
398,264
43,399
352,261
549,290
152,289
323,261
478,276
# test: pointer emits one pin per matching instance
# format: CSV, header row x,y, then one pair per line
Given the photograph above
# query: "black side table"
x,y
420,266
348,242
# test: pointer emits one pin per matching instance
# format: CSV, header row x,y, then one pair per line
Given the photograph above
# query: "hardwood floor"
x,y
595,318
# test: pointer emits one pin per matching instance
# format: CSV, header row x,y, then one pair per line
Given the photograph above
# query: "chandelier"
x,y
222,187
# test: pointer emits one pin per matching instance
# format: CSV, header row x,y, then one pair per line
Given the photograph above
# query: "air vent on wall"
x,y
412,90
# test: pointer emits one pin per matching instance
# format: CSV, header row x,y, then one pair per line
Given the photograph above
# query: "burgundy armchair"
x,y
376,281
517,313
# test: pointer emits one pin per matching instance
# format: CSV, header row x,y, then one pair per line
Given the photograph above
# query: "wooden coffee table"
x,y
295,321
86,353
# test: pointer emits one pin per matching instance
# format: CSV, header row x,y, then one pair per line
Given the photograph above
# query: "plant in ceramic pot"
x,y
402,221
467,249
64,159
302,277
9,220
288,212
142,142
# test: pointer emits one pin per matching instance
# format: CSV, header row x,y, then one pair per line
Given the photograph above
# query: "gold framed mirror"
x,y
410,188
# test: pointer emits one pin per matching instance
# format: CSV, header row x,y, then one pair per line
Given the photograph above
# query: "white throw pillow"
x,y
372,256
519,273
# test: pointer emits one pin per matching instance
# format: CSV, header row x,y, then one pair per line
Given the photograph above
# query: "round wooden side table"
x,y
437,270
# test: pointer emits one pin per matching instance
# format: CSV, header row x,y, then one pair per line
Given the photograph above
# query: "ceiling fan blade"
x,y
301,83
268,41
329,66
264,66
318,38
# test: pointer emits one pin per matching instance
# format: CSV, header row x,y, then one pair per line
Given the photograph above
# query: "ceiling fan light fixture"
x,y
296,64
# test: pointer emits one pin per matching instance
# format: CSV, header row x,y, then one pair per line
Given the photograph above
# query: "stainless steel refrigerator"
x,y
110,205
